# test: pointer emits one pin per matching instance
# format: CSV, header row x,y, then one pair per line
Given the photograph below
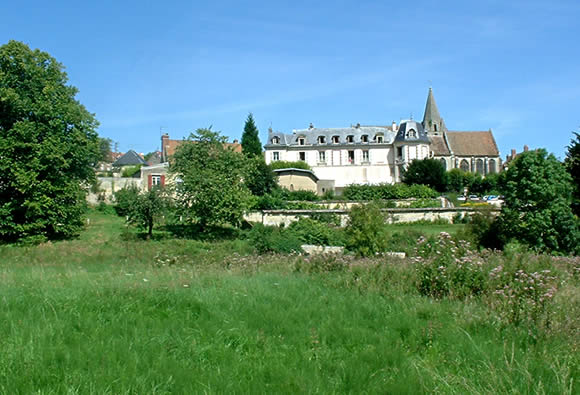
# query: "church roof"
x,y
472,143
431,110
130,158
439,146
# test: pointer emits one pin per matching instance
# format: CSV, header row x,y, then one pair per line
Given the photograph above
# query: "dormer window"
x,y
350,139
301,140
276,140
379,138
364,138
335,139
435,127
412,134
321,139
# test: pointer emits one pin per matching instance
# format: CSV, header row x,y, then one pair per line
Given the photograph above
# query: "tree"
x,y
48,147
428,172
365,231
251,145
212,192
259,177
105,150
142,209
572,163
537,212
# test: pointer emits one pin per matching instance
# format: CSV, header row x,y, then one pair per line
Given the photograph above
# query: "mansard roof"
x,y
405,133
311,135
472,143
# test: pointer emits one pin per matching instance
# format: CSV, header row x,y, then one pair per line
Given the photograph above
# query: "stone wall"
x,y
394,215
108,186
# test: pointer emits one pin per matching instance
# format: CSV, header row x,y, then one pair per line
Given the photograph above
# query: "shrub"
x,y
483,230
449,268
365,232
282,164
387,191
267,239
124,200
131,171
311,231
426,172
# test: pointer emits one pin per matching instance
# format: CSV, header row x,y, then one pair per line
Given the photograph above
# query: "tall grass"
x,y
107,314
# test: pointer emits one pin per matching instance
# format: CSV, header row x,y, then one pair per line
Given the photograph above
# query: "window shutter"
x,y
149,182
162,180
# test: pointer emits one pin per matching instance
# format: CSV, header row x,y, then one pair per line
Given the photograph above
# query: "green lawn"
x,y
108,314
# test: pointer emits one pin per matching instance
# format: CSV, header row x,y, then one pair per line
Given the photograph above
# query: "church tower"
x,y
432,121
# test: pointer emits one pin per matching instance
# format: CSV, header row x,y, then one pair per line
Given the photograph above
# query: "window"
x,y
275,140
364,138
444,163
479,166
350,139
464,165
491,164
435,127
379,138
301,141
351,157
321,139
365,156
155,180
322,156
399,152
412,134
275,156
335,139
302,156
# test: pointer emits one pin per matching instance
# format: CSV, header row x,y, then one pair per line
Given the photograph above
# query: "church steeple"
x,y
432,121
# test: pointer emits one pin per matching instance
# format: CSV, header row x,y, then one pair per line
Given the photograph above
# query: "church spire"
x,y
432,121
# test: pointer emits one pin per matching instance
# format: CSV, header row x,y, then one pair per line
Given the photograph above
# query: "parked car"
x,y
473,197
461,198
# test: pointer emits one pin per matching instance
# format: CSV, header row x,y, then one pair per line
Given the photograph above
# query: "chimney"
x,y
394,126
357,125
235,141
526,148
164,140
311,126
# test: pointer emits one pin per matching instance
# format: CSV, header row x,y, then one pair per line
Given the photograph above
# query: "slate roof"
x,y
131,158
420,135
438,146
431,110
472,143
311,136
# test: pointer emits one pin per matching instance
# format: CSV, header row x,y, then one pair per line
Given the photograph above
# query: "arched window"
x,y
435,127
479,166
492,168
350,139
335,139
444,163
276,140
364,138
411,134
321,139
464,165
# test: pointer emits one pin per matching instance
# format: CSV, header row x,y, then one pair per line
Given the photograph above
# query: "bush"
x,y
131,171
310,231
483,230
124,200
449,268
426,172
388,191
267,239
282,164
365,232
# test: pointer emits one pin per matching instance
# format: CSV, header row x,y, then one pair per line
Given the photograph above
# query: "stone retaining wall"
x,y
393,215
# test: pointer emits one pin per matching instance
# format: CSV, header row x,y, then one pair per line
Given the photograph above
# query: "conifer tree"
x,y
251,145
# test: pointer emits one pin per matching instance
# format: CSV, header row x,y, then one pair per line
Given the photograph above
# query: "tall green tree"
x,y
259,178
536,212
213,191
428,172
251,145
572,163
48,147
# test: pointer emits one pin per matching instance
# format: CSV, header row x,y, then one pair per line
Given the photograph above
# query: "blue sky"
x,y
142,67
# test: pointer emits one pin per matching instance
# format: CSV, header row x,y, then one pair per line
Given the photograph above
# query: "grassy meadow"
x,y
110,313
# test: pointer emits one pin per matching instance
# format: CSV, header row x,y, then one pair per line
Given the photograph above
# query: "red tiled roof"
x,y
171,146
472,143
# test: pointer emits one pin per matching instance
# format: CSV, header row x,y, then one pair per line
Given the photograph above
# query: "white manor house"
x,y
378,154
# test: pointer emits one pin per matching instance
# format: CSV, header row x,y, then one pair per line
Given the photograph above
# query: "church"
x,y
379,154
